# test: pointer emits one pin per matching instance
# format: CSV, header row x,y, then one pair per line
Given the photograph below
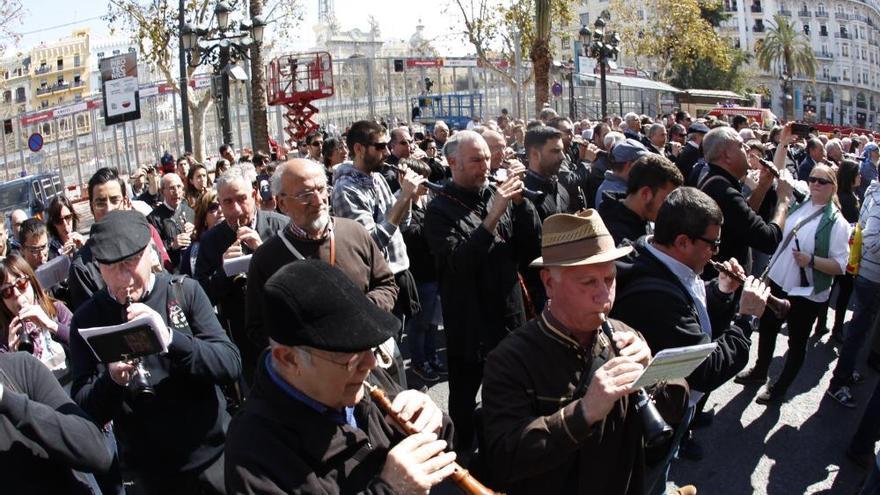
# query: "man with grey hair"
x,y
173,218
301,188
480,235
692,151
834,150
656,139
632,126
743,228
441,134
245,228
547,114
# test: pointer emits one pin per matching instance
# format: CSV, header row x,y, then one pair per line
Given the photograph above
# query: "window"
x,y
845,74
19,95
44,104
823,30
807,29
585,19
60,64
76,60
864,53
7,96
844,50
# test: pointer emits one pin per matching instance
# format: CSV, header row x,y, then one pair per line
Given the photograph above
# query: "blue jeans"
x,y
419,328
657,476
864,302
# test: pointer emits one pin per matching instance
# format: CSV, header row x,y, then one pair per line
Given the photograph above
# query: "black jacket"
x,y
622,222
688,158
477,269
651,299
184,427
556,197
277,444
43,434
743,228
169,223
421,261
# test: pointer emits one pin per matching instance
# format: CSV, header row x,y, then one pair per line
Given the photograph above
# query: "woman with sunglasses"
x,y
814,249
208,214
62,224
28,311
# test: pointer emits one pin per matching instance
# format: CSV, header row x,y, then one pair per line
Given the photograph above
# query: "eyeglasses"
x,y
820,180
8,290
354,360
317,143
715,244
213,207
379,146
36,249
307,197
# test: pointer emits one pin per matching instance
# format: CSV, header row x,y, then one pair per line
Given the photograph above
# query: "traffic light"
x,y
398,65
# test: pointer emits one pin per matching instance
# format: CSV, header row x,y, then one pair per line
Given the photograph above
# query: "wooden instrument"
x,y
460,475
780,307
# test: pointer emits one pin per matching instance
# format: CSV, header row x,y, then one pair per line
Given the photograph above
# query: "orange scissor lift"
x,y
295,81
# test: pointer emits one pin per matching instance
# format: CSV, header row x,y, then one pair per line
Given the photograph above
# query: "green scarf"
x,y
821,280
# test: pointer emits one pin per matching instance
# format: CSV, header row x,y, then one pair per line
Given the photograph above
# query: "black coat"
x,y
688,158
668,318
622,222
278,444
169,223
478,270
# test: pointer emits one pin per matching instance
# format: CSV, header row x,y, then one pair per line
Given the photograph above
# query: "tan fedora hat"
x,y
580,239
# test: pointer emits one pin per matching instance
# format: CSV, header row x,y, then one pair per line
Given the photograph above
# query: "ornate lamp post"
x,y
603,47
222,47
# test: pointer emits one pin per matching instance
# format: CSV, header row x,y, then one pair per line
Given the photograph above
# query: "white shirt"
x,y
785,270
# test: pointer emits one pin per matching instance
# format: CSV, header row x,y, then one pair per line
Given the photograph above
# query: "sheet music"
x,y
677,362
138,337
53,272
235,266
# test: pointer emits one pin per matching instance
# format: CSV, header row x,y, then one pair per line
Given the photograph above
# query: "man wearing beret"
x,y
308,425
692,150
556,414
623,155
174,442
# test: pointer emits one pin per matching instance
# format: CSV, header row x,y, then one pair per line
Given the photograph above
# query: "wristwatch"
x,y
747,321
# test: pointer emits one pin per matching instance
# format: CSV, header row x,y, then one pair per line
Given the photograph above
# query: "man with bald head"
x,y
312,233
479,236
497,145
399,147
173,218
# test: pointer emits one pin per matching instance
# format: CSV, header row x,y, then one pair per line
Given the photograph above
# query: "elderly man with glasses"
x,y
303,195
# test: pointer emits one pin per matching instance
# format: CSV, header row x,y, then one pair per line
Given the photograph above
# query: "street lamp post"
x,y
604,47
183,83
223,47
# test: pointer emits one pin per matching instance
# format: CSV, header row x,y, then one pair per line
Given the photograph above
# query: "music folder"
x,y
136,338
53,272
237,266
669,364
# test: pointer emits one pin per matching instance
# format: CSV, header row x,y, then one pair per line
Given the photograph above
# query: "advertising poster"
x,y
119,87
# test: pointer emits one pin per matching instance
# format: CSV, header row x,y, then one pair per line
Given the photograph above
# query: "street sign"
x,y
556,89
35,142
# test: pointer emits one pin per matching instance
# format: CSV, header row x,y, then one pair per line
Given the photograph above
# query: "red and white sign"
x,y
424,62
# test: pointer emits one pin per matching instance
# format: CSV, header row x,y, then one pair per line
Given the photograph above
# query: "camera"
x,y
802,130
139,385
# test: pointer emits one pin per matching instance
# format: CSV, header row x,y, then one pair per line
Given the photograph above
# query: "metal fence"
x,y
364,88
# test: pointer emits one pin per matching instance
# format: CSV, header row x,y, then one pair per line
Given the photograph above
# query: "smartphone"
x,y
802,130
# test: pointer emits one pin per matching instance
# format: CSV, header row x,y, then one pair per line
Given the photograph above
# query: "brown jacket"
x,y
535,437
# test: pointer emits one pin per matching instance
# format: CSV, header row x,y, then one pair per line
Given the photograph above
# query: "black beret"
x,y
311,303
119,235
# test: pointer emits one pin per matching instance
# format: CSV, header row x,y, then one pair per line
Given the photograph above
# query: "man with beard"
x,y
245,228
573,174
301,188
480,236
362,194
173,218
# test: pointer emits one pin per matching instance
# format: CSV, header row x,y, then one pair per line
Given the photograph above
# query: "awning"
x,y
714,93
634,82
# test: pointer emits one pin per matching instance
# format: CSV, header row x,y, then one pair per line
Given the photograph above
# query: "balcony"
x,y
758,28
843,36
53,88
786,13
842,16
820,13
824,55
731,8
42,70
823,32
77,84
756,9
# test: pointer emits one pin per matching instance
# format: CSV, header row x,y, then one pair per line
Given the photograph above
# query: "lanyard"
x,y
299,255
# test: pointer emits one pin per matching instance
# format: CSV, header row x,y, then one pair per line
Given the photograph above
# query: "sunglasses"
x,y
378,146
8,290
317,143
213,207
714,243
820,180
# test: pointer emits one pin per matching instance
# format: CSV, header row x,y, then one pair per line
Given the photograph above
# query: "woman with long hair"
x,y
30,320
208,214
814,249
62,223
197,182
333,152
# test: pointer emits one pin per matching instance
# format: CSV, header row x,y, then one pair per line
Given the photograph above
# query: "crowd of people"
x,y
556,256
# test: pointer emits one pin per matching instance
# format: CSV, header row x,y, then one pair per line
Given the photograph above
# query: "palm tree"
x,y
540,53
786,46
260,131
